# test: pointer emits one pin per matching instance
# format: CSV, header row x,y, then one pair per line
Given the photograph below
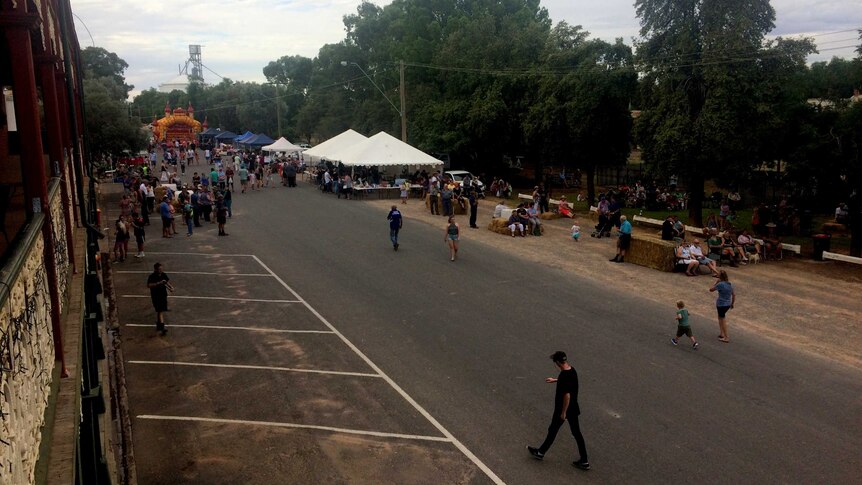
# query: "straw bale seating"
x,y
501,226
834,228
652,252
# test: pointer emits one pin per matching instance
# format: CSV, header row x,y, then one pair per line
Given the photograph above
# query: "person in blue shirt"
x,y
624,241
395,223
725,301
165,211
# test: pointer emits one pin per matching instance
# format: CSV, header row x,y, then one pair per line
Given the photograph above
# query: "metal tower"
x,y
196,73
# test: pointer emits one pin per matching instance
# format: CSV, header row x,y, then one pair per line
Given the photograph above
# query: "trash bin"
x,y
822,242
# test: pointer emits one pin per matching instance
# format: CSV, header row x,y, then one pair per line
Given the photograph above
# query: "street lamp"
x,y
401,111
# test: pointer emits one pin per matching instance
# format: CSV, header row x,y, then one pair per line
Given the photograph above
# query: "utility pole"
x,y
277,109
403,103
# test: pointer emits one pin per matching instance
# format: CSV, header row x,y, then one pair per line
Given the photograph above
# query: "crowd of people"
x,y
192,196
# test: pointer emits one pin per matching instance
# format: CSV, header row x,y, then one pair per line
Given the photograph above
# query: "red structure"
x,y
179,124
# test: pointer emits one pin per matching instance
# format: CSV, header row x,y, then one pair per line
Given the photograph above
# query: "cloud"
x,y
241,36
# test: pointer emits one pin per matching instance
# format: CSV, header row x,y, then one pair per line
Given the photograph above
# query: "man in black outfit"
x,y
474,208
667,232
565,407
159,284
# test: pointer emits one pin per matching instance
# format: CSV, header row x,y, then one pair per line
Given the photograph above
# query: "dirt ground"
x,y
812,306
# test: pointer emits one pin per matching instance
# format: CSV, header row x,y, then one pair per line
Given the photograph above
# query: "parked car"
x,y
460,175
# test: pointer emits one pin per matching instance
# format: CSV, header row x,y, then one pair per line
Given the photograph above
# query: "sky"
x,y
239,37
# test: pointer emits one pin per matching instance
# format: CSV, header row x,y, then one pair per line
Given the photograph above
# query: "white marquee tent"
x,y
282,145
382,149
334,144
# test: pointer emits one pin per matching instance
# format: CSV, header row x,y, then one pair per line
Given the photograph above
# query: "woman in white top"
x,y
683,253
696,252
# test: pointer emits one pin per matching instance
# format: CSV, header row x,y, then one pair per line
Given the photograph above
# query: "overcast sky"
x,y
241,36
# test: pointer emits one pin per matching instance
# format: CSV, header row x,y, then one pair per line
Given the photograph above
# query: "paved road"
x,y
468,341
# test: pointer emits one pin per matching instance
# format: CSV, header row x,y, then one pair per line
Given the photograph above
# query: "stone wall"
x,y
26,361
61,248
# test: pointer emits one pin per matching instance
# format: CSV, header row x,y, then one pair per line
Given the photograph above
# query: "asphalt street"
x,y
468,342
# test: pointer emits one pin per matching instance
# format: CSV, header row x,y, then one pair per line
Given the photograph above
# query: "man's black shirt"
x,y
567,383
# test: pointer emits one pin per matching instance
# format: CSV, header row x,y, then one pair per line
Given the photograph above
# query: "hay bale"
x,y
651,252
547,216
457,209
834,228
500,226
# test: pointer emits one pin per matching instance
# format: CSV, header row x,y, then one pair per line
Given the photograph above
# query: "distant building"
x,y
193,69
180,83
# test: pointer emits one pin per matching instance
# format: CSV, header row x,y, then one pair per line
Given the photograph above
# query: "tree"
x,y
149,104
98,63
849,129
699,60
581,117
109,127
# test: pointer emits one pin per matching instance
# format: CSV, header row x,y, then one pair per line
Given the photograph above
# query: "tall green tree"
x,y
291,75
698,60
149,104
581,117
97,63
110,130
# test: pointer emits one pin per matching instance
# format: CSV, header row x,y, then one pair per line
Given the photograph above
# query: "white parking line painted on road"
x,y
449,436
216,298
200,254
256,367
199,273
224,327
295,425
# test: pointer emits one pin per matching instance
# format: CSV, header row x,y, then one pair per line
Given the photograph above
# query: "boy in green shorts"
x,y
683,328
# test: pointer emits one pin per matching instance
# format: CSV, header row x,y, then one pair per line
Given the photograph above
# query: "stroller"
x,y
603,228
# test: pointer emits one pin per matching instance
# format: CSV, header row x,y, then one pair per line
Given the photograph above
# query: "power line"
x,y
210,70
85,28
272,98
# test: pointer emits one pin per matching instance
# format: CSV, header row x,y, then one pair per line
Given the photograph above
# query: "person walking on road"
x,y
565,408
453,233
196,205
395,223
140,233
682,326
221,215
159,285
474,208
725,301
188,217
165,211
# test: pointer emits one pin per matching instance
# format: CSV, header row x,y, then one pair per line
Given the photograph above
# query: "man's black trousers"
x,y
556,422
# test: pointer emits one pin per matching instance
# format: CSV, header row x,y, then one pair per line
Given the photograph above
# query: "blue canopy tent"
x,y
208,135
258,140
244,136
226,137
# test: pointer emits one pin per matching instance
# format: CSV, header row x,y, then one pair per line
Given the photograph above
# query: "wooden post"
x,y
403,104
18,25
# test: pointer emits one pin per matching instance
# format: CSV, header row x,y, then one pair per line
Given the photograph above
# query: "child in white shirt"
x,y
576,231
